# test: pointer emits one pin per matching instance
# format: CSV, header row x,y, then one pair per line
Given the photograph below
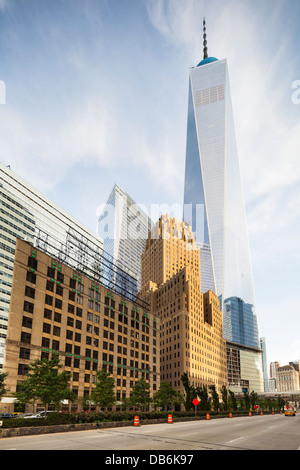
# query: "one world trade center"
x,y
213,199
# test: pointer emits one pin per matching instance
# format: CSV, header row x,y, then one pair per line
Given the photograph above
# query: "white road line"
x,y
237,439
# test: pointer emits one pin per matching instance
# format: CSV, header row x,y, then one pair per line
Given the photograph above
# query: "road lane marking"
x,y
237,439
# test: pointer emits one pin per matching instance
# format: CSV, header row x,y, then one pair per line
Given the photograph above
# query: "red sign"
x,y
195,402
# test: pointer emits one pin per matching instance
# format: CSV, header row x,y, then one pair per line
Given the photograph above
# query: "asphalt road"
x,y
267,432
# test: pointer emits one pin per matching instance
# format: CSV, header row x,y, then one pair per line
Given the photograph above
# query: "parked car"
x,y
28,415
289,413
41,414
6,415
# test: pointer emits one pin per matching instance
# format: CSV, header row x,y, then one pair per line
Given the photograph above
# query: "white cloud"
x,y
51,146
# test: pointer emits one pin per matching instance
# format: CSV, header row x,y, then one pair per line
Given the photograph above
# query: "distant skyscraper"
x,y
213,199
124,227
263,346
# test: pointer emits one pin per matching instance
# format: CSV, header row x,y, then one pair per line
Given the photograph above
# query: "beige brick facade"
x,y
191,322
56,310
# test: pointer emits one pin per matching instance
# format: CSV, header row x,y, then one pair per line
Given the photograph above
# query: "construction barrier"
x,y
136,421
207,416
230,415
170,419
261,413
250,414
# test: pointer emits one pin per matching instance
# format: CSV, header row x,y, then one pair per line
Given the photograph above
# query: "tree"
x,y
253,399
103,394
45,383
3,389
232,401
167,396
215,397
247,400
202,393
141,394
190,392
280,403
224,394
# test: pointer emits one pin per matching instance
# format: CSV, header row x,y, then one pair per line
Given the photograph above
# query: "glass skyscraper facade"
x,y
214,203
124,227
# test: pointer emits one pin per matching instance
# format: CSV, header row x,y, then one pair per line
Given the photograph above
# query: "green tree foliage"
x,y
103,394
224,393
3,389
44,382
141,394
166,396
202,393
247,400
190,392
232,401
215,397
253,399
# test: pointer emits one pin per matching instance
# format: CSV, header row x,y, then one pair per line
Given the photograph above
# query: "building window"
x,y
46,328
71,308
72,296
58,304
50,286
22,369
31,277
25,337
47,313
32,263
24,353
48,299
27,322
28,307
56,331
50,272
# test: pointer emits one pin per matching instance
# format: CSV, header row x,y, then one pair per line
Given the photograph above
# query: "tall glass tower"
x,y
213,199
124,227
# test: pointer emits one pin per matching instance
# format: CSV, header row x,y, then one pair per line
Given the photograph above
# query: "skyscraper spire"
x,y
204,40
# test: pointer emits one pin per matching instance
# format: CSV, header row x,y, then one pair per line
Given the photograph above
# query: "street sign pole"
x,y
195,403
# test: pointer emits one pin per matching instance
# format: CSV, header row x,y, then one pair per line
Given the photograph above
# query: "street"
x,y
267,432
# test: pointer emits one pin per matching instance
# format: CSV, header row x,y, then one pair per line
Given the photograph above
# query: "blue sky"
x,y
96,93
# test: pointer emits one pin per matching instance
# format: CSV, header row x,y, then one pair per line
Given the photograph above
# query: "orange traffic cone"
x,y
207,415
136,421
170,419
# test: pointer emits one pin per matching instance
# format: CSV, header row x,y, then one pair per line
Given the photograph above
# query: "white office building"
x,y
124,225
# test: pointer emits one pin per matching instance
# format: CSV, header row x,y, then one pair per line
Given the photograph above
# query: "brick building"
x,y
56,310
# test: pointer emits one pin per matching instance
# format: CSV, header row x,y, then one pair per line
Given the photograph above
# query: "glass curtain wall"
x,y
214,203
